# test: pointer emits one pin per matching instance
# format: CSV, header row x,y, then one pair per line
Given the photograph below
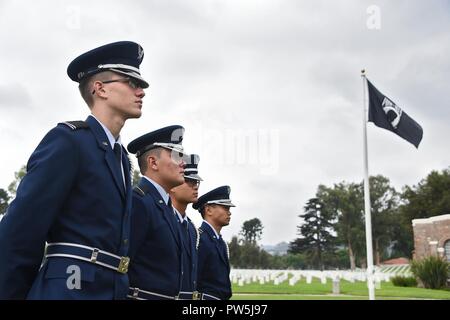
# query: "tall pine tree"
x,y
316,236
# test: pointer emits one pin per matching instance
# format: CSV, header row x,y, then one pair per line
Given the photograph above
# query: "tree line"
x,y
331,233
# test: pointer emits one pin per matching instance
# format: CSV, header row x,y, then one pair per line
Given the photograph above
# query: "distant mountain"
x,y
276,250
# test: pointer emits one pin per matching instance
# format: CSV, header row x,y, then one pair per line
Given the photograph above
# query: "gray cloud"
x,y
14,96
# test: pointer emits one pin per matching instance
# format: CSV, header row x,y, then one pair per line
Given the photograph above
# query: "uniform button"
x,y
125,241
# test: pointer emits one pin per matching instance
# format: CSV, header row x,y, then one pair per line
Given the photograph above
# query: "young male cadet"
x,y
213,256
76,195
181,197
156,242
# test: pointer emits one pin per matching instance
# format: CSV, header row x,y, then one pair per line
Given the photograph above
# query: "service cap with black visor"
x,y
123,57
169,138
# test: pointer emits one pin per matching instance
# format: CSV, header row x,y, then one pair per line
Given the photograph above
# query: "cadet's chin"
x,y
135,114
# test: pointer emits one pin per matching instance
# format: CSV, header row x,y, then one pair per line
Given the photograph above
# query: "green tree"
x,y
4,201
251,231
250,256
337,259
265,259
18,176
385,215
293,261
316,236
245,252
345,202
235,252
289,261
430,197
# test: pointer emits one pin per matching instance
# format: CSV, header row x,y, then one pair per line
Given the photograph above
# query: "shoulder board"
x,y
75,125
139,191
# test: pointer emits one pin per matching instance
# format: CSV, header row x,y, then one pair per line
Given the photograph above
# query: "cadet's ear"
x,y
152,162
208,210
99,89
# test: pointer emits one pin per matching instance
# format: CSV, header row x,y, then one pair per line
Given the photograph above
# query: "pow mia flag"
x,y
384,113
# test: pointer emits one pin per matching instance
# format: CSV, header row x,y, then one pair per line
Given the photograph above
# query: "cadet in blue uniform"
x,y
156,241
182,196
213,256
76,195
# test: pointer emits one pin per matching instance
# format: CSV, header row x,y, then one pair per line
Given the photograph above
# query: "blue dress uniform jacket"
x,y
156,243
190,257
73,192
213,265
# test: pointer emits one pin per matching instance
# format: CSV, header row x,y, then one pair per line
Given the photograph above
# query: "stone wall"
x,y
431,235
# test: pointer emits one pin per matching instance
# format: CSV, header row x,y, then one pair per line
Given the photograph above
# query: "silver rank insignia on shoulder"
x,y
74,125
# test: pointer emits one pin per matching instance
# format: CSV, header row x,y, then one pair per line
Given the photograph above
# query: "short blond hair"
x,y
86,88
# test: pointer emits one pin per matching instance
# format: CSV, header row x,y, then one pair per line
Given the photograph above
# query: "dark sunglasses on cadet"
x,y
134,84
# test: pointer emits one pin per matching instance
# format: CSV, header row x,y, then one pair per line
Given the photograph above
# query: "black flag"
x,y
384,113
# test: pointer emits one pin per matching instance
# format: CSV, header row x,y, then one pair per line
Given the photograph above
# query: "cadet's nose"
x,y
140,93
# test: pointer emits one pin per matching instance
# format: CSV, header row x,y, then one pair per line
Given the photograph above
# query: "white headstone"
x,y
336,286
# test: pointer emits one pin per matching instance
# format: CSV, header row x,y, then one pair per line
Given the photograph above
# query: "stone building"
x,y
432,237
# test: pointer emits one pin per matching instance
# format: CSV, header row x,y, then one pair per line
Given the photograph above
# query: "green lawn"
x,y
316,290
237,296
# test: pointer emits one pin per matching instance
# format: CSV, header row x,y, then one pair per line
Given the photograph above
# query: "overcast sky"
x,y
269,92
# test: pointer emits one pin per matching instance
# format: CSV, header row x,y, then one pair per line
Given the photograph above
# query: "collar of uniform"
x,y
214,230
108,133
180,217
160,189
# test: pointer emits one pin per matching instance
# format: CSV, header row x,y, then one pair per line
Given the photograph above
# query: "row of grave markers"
x,y
247,276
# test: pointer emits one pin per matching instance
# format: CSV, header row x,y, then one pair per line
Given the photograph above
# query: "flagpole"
x,y
368,217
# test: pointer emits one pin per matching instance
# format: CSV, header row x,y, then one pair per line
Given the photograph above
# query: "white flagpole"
x,y
368,216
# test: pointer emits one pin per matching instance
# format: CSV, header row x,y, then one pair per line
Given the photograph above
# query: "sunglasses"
x,y
192,182
133,83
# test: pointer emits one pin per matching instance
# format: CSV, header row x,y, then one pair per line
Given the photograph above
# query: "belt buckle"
x,y
94,255
123,265
195,295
